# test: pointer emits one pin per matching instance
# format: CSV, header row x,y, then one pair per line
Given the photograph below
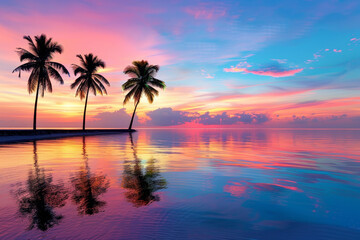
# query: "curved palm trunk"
x,y
87,95
35,108
132,118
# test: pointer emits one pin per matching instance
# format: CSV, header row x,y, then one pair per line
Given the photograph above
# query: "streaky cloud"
x,y
274,70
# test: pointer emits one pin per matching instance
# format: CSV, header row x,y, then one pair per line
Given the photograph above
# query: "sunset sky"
x,y
229,63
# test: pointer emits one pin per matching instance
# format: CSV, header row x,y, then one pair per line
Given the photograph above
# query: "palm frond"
x,y
26,55
98,88
32,45
99,63
102,79
93,88
43,82
151,89
55,47
149,94
130,83
77,81
82,90
132,71
157,83
83,63
45,47
77,69
47,83
130,94
25,67
55,74
33,80
141,66
137,94
59,66
152,69
99,83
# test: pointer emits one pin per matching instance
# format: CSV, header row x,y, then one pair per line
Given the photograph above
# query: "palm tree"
x,y
89,78
42,68
142,81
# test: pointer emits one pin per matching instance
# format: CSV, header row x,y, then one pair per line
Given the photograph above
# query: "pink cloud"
x,y
241,67
270,72
355,39
337,50
206,13
209,76
235,69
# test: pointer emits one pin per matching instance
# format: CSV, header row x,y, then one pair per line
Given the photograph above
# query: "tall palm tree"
x,y
89,78
42,68
142,81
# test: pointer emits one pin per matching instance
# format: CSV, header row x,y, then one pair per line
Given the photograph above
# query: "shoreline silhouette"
x,y
15,136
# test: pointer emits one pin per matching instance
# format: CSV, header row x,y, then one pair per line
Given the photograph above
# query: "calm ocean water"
x,y
177,184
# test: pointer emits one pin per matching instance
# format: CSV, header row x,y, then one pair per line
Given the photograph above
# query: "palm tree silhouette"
x,y
142,81
88,187
42,68
89,78
40,196
142,182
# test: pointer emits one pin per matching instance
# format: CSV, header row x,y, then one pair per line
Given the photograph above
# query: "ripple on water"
x,y
177,184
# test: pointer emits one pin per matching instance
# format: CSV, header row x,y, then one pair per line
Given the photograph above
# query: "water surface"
x,y
176,184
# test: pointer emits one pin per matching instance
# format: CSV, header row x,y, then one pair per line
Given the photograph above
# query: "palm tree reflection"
x,y
88,187
142,182
40,196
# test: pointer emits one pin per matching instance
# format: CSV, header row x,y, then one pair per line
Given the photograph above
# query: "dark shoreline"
x,y
13,136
